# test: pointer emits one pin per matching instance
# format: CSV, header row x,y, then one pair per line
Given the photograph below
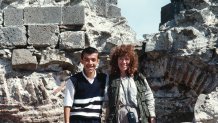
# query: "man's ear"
x,y
98,63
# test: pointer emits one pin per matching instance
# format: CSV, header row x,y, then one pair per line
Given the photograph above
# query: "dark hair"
x,y
120,51
89,50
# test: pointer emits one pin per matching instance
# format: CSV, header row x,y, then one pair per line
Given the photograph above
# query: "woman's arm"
x,y
150,100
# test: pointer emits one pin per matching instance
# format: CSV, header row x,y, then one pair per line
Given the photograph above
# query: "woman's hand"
x,y
152,120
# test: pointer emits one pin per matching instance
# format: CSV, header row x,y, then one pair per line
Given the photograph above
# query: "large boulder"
x,y
206,109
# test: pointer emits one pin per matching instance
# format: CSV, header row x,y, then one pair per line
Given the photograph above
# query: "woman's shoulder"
x,y
139,75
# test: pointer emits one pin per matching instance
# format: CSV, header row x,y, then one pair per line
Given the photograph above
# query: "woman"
x,y
128,90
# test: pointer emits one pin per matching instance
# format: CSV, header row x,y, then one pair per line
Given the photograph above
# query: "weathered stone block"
x,y
214,10
190,17
43,36
42,15
190,4
72,40
113,11
205,109
13,17
73,15
12,36
55,60
23,59
101,7
167,13
113,2
156,42
1,17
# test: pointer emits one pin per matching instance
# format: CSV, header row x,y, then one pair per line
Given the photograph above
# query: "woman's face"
x,y
123,63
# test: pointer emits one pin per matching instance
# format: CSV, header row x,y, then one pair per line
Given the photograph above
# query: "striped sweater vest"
x,y
88,97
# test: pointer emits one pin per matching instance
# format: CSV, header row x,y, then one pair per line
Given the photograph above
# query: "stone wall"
x,y
180,61
41,43
40,46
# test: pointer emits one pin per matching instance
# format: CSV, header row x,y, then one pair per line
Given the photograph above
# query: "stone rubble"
x,y
206,109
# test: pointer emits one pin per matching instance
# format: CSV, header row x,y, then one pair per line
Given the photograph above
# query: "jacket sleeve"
x,y
150,99
105,108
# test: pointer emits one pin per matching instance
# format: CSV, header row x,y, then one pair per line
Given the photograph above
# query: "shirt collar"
x,y
89,80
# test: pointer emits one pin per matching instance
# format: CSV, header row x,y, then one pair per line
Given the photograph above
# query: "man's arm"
x,y
68,100
67,114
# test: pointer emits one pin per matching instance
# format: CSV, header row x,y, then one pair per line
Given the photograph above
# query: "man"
x,y
85,91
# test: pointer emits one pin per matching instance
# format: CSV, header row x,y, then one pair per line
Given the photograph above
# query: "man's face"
x,y
90,62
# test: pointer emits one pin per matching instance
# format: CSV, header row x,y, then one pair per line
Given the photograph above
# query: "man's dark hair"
x,y
88,50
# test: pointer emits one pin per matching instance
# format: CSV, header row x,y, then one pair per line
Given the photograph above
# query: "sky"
x,y
143,16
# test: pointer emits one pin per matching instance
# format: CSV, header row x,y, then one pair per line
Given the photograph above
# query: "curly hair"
x,y
120,51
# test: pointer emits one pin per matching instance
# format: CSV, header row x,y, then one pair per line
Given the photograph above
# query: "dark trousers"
x,y
84,120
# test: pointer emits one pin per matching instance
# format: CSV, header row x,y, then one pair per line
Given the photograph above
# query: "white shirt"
x,y
129,97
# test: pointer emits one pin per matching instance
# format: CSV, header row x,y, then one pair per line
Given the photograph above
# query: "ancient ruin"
x,y
180,61
41,41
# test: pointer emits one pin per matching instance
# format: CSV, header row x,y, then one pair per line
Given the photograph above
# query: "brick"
x,y
73,15
23,59
13,17
113,11
72,40
43,35
42,15
12,37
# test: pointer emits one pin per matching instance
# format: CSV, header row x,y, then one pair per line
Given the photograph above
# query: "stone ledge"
x,y
23,59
